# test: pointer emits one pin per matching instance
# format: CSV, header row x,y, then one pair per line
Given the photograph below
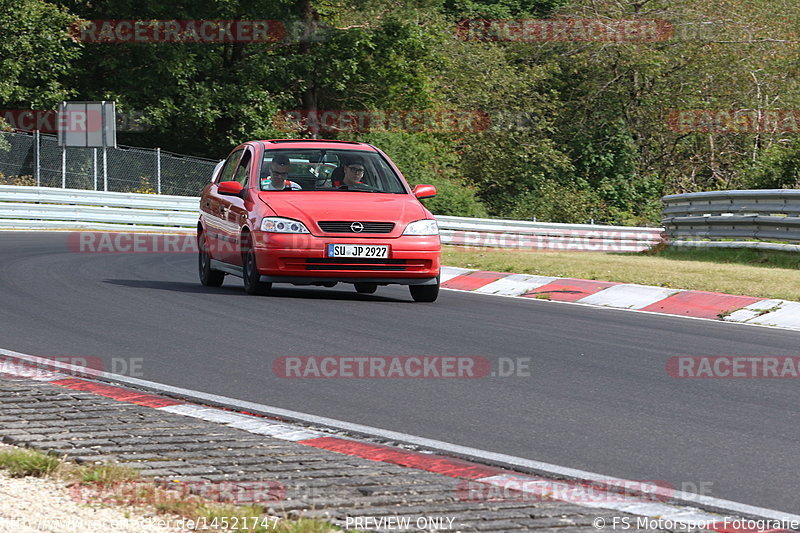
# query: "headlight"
x,y
422,227
282,225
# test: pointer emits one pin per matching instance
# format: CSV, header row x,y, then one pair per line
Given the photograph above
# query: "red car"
x,y
314,212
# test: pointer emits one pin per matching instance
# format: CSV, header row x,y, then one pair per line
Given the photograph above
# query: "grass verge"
x,y
106,484
758,273
23,462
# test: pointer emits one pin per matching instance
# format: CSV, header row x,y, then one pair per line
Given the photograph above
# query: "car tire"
x,y
208,276
250,275
366,288
424,293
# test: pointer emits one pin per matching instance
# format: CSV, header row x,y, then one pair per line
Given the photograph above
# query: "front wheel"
x,y
208,276
424,293
251,277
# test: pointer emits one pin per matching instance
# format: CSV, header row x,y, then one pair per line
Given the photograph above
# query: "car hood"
x,y
333,205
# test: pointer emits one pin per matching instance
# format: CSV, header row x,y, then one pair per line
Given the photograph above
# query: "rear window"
x,y
346,171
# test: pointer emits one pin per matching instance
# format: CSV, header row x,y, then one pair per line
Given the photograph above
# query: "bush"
x,y
556,203
145,187
777,168
429,159
26,180
453,199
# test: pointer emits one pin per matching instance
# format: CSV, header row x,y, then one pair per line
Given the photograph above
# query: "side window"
x,y
230,166
243,171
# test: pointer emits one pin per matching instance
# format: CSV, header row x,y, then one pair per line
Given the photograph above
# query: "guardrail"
x,y
49,208
520,234
767,219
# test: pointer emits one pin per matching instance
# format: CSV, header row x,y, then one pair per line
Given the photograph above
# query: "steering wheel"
x,y
358,187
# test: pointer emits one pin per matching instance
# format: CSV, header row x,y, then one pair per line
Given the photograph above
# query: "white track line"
x,y
708,503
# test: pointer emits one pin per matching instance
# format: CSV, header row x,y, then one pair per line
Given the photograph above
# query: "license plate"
x,y
358,250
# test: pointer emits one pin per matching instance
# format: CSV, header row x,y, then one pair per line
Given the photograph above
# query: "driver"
x,y
278,172
353,173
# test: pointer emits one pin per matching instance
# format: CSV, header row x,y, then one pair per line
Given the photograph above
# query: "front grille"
x,y
353,263
344,227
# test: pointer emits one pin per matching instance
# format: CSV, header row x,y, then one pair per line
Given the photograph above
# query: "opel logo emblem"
x,y
356,227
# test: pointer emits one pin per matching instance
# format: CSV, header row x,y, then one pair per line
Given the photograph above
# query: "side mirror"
x,y
230,188
424,191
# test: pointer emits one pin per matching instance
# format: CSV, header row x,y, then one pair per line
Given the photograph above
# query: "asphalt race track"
x,y
598,397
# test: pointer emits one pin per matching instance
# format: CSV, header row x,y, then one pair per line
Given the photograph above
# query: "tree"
x,y
36,52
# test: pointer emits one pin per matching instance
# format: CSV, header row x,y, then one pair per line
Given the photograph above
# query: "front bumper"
x,y
301,258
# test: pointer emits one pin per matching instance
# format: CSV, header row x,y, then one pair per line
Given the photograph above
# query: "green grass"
x,y
104,473
762,274
25,462
740,256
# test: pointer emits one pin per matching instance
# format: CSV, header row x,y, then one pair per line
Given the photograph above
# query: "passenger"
x,y
353,173
278,172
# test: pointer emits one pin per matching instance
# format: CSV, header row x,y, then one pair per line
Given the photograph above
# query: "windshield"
x,y
327,170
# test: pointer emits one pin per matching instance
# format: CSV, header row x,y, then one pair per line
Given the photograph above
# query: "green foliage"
x,y
512,155
576,130
500,9
36,54
453,199
23,462
556,203
777,168
103,474
425,159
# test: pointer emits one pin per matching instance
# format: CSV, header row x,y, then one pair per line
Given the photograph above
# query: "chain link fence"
x,y
128,169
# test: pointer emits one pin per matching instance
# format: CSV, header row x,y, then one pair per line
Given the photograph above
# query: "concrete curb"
x,y
696,304
479,471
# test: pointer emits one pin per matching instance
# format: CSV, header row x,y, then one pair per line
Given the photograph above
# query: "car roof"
x,y
317,143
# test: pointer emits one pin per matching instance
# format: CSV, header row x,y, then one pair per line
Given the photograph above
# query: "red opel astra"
x,y
314,212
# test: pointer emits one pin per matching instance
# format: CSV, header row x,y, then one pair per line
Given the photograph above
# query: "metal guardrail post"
x,y
37,163
158,170
64,167
42,157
